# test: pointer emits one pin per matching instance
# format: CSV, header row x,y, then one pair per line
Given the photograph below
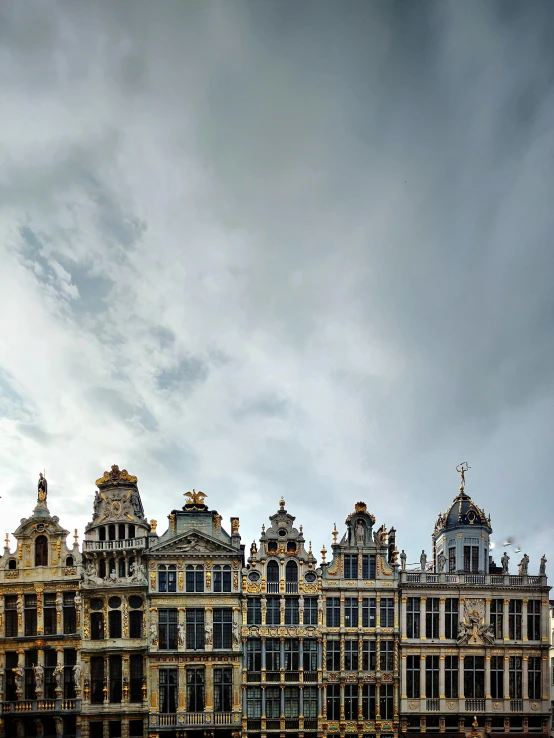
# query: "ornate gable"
x,y
192,543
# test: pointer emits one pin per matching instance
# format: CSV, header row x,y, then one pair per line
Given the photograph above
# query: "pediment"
x,y
193,542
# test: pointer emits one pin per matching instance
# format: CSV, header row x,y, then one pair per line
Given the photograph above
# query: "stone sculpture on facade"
x,y
441,561
39,678
524,565
18,675
58,676
542,567
208,634
423,561
403,558
77,673
182,634
505,560
360,533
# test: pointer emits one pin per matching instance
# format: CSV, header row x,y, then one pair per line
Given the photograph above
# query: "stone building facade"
x,y
177,635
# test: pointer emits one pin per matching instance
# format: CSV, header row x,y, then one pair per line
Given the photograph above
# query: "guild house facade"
x,y
179,634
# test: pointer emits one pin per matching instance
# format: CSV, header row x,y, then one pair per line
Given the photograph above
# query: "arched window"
x,y
69,561
102,533
12,564
111,566
291,576
122,572
131,531
41,551
131,562
121,531
272,576
111,532
102,568
291,546
195,578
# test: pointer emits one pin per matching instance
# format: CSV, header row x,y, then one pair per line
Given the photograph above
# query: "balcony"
x,y
291,587
292,676
272,676
475,705
191,719
310,723
310,676
122,544
272,587
416,577
34,706
516,705
433,705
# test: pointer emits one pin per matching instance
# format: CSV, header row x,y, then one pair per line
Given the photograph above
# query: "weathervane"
x,y
461,469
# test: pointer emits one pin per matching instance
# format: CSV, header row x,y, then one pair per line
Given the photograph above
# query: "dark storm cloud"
x,y
340,213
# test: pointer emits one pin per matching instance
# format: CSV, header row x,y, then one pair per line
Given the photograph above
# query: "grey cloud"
x,y
113,402
185,375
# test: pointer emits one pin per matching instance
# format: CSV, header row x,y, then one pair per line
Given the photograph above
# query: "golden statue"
x,y
42,488
194,497
461,469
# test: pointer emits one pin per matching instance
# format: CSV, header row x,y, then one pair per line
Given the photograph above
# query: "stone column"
x,y
360,705
282,659
181,687
301,701
263,659
422,665
107,676
21,663
154,684
442,619
545,676
237,686
461,666
125,673
525,678
404,673
282,700
301,659
505,620
209,688
378,701
378,610
442,678
342,610
487,676
20,615
342,701
506,677
524,620
422,630
403,618
319,701
263,702
59,612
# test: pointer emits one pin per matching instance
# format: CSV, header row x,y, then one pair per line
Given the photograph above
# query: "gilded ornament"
x,y
194,497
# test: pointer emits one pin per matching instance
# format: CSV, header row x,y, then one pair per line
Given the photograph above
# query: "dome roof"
x,y
463,511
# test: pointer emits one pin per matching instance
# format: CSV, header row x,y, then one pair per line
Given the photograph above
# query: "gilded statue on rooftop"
x,y
195,498
461,469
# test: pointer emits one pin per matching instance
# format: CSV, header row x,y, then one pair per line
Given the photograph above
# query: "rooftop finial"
x,y
7,543
335,533
282,503
461,469
310,548
323,553
76,537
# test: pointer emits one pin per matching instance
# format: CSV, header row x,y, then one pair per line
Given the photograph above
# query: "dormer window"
x,y
291,547
69,561
272,546
282,533
41,551
12,564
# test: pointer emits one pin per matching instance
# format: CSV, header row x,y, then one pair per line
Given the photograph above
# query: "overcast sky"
x,y
280,248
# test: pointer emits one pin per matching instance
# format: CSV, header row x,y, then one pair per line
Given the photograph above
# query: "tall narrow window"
x,y
96,626
30,615
69,661
310,610
167,629
223,623
534,677
30,661
292,612
368,702
516,677
514,620
136,673
310,702
273,654
135,624
351,654
333,655
253,702
223,690
291,654
168,690
413,689
50,663
195,629
162,578
273,611
451,618
114,623
222,578
451,559
474,677
351,701
115,679
387,612
413,617
291,577
386,701
272,702
41,551
432,676
195,690
368,566
351,612
451,676
432,617
386,656
471,559
369,655
272,571
172,578
333,612
534,620
97,679
369,612
333,702
69,613
350,566
497,618
253,655
497,677
11,615
194,578
309,657
254,611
